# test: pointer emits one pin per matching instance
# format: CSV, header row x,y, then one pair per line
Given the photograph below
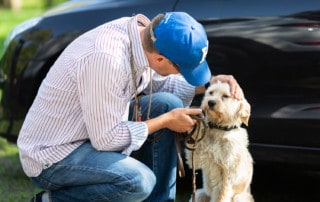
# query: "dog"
x,y
222,154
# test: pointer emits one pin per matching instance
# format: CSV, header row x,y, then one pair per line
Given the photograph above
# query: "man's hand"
x,y
235,88
178,120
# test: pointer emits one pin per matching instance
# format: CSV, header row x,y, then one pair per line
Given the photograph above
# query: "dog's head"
x,y
222,109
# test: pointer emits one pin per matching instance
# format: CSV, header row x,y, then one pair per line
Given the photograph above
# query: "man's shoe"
x,y
37,197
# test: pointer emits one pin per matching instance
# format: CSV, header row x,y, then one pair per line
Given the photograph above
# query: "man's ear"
x,y
159,58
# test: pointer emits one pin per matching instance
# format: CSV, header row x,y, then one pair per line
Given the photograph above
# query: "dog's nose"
x,y
211,103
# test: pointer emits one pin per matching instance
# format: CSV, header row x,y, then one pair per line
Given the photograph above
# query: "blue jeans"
x,y
91,175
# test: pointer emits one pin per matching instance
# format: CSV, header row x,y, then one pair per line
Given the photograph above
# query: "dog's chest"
x,y
222,145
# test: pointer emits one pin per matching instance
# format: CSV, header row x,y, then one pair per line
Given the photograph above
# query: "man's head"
x,y
182,40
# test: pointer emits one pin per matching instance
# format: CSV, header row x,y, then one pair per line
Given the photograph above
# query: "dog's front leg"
x,y
226,192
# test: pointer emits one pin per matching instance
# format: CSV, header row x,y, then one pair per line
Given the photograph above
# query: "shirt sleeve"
x,y
104,95
138,139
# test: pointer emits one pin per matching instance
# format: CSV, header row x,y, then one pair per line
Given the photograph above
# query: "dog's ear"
x,y
245,111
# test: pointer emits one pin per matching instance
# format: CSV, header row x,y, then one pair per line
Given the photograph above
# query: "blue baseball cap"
x,y
183,40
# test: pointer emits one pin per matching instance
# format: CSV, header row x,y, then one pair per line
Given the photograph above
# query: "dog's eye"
x,y
225,96
211,93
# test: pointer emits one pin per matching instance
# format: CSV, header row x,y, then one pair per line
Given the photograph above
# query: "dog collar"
x,y
225,128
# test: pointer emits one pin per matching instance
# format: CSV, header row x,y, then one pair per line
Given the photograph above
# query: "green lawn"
x,y
14,186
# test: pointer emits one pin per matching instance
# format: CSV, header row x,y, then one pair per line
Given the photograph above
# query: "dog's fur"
x,y
223,156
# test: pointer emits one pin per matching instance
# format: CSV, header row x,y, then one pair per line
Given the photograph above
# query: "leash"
x,y
191,140
137,115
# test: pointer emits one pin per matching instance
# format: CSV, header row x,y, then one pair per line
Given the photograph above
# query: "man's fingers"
x,y
194,111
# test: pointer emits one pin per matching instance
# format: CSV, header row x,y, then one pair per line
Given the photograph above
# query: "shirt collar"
x,y
139,58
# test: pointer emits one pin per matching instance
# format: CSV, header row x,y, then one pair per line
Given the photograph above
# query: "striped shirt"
x,y
86,94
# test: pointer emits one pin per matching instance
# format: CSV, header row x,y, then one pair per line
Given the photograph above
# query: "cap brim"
x,y
198,76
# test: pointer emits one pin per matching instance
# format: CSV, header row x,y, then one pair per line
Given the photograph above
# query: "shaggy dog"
x,y
222,154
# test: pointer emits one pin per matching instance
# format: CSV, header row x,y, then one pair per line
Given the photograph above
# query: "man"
x,y
89,115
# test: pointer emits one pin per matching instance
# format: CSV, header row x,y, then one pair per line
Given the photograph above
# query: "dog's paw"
x,y
244,197
201,196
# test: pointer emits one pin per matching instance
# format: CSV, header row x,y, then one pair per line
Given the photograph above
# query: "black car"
x,y
271,47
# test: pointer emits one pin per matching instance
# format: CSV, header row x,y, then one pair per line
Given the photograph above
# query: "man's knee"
x,y
145,182
132,181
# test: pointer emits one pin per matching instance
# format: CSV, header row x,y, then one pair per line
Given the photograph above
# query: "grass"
x,y
14,186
